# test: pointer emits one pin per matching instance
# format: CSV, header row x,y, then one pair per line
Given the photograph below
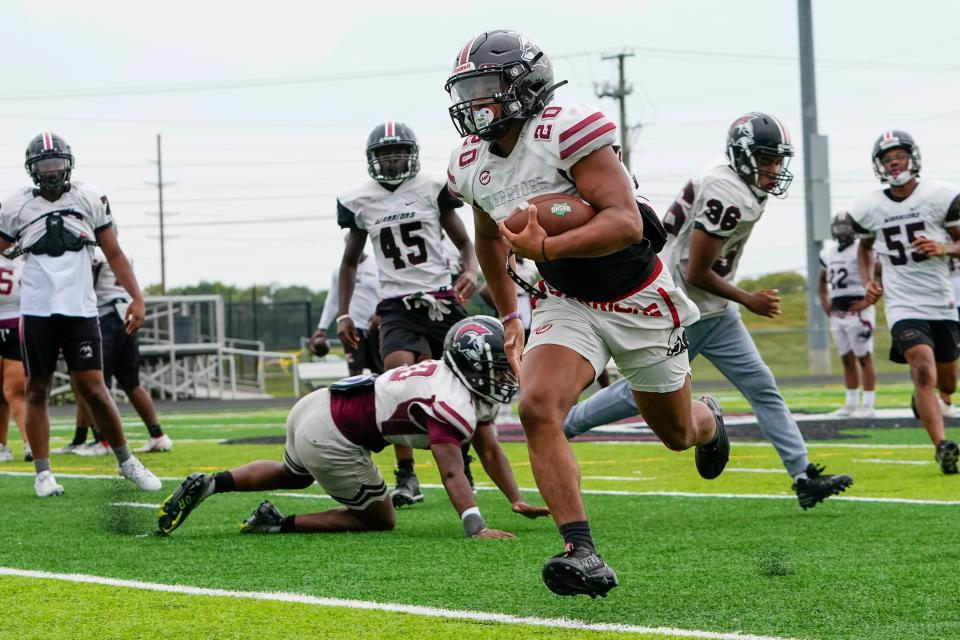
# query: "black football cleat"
x,y
913,406
407,490
188,496
819,485
577,571
711,458
948,452
265,519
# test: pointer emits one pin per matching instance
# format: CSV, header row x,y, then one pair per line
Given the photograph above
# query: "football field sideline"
x,y
415,610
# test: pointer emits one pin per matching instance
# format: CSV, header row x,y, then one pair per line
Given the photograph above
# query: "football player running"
x,y
404,213
709,223
56,224
919,227
851,319
434,404
605,292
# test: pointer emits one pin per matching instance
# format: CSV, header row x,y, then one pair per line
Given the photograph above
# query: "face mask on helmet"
x,y
393,163
759,150
474,351
896,165
482,106
51,173
842,231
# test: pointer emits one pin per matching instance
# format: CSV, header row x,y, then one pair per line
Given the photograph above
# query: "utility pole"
x,y
620,91
163,256
816,190
160,184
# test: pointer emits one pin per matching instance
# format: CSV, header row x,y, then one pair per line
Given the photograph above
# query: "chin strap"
x,y
523,284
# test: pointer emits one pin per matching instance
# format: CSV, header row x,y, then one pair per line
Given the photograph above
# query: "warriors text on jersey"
x,y
914,285
843,274
62,284
722,205
550,144
416,406
404,227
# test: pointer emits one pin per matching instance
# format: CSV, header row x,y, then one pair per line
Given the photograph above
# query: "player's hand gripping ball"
x,y
556,213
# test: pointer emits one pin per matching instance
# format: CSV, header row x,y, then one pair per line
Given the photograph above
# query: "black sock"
x,y
80,435
405,465
223,482
96,434
578,534
287,525
155,431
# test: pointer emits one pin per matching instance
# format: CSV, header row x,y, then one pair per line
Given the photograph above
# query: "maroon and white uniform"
x,y
852,330
331,432
623,305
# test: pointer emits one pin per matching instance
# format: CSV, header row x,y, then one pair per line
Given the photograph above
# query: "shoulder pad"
x,y
566,134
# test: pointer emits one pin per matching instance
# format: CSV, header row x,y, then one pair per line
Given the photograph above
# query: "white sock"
x,y
869,399
853,397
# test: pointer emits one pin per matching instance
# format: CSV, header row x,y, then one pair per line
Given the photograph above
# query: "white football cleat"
x,y
846,411
93,449
69,448
6,455
866,412
156,445
46,485
134,471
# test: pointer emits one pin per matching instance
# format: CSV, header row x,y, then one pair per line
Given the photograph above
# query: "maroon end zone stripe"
x,y
580,125
593,135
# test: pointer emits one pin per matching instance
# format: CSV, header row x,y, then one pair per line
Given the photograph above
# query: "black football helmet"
x,y
892,140
392,168
49,162
473,349
498,76
760,134
841,228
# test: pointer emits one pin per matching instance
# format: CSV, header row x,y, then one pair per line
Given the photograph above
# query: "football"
x,y
556,212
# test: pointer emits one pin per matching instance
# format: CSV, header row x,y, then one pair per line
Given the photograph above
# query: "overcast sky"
x,y
264,108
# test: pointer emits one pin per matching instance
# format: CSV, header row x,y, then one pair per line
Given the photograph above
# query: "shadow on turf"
x,y
124,521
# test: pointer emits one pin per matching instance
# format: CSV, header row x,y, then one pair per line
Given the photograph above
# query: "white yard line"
x,y
363,605
135,505
883,461
591,492
737,444
752,470
620,478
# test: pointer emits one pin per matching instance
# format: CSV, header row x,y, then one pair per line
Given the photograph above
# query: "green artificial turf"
x,y
761,566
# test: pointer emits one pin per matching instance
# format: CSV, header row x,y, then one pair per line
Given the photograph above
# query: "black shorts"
x,y
121,353
366,355
43,339
10,343
403,329
943,336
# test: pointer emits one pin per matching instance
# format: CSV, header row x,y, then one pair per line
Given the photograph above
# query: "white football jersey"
x,y
10,287
105,284
63,284
363,303
436,391
404,227
914,286
843,272
722,205
550,144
